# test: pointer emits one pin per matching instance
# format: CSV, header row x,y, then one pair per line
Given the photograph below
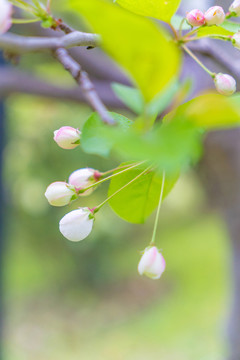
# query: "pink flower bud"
x,y
195,18
67,137
225,84
5,16
60,193
82,178
236,40
235,8
215,15
152,263
77,224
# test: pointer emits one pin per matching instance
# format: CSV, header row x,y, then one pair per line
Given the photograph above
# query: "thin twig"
x,y
85,83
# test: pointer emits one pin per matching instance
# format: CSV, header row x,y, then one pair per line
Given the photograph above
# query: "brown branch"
x,y
18,44
14,81
84,82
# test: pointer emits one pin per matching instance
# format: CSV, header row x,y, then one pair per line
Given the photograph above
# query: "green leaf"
x,y
159,9
130,96
140,46
231,26
211,111
164,99
205,31
93,139
177,20
138,200
171,146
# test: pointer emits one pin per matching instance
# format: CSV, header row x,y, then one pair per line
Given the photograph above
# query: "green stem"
x,y
122,188
110,177
192,32
158,211
117,168
180,27
190,53
24,21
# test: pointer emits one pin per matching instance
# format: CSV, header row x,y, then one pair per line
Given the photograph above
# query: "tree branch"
x,y
18,44
84,82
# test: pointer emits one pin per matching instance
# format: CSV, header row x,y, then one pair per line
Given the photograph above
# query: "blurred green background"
x,y
85,300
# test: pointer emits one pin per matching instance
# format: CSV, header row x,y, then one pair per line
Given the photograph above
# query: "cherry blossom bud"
x,y
235,8
67,137
77,224
83,178
195,18
225,84
60,193
236,40
152,263
215,15
5,16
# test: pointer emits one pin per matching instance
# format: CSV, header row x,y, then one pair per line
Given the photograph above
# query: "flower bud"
x,y
60,193
235,8
215,15
67,137
152,263
195,18
82,178
77,224
236,40
225,84
5,16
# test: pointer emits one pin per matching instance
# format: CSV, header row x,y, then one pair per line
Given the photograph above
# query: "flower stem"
x,y
116,192
117,168
111,176
180,27
158,211
192,32
190,53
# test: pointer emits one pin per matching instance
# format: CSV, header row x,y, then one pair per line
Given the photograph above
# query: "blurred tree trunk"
x,y
220,171
1,214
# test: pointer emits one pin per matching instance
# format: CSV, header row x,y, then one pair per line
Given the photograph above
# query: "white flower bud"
x,y
195,18
215,15
152,263
5,16
83,178
235,8
60,193
225,84
77,224
236,40
67,137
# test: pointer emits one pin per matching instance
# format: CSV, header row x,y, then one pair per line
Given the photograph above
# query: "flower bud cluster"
x,y
77,224
215,15
5,16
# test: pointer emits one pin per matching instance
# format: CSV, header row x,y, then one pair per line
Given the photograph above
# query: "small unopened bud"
x,y
236,40
77,224
235,8
225,84
83,178
215,15
5,16
60,193
67,137
152,263
195,18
